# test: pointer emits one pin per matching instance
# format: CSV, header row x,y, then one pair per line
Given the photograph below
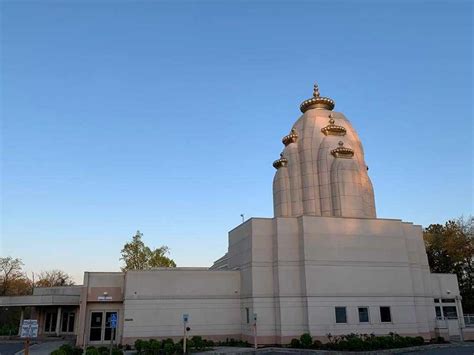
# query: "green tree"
x,y
137,256
450,249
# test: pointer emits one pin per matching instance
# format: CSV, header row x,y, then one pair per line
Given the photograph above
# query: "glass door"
x,y
96,326
108,326
50,322
101,326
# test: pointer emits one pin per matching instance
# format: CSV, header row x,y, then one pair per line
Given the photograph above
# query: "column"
x,y
58,321
22,315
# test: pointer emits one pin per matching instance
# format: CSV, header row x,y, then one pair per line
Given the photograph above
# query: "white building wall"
x,y
297,270
156,300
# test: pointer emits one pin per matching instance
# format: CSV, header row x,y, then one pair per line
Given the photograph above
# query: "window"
x,y
363,315
385,315
341,316
450,312
438,312
96,326
247,313
436,300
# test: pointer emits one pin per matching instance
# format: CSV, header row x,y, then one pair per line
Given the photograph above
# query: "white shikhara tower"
x,y
322,171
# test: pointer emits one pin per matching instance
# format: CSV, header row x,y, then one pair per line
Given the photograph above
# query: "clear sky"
x,y
166,116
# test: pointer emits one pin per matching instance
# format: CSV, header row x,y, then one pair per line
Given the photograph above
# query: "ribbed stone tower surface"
x,y
322,171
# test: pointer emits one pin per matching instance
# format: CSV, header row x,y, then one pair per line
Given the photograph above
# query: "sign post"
x,y
185,331
29,329
255,330
113,326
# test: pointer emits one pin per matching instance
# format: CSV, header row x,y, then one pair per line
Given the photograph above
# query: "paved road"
x,y
459,350
10,348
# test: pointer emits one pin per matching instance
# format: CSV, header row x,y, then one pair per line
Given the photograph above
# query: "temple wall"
x,y
318,263
156,300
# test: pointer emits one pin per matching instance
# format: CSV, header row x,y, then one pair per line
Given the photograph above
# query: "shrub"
x,y
198,342
58,352
92,351
103,350
295,343
306,341
168,348
139,345
316,344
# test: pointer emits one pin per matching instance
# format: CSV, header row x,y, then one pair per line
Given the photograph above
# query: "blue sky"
x,y
165,116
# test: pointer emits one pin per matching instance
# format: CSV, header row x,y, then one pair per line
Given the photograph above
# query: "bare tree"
x,y
10,272
51,278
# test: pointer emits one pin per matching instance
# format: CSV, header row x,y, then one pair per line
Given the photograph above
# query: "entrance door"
x,y
101,326
50,322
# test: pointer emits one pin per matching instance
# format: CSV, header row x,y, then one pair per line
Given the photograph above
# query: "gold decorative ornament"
x,y
282,162
317,102
342,152
333,130
290,138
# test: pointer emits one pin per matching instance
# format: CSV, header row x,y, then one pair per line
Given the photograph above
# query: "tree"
x,y
137,256
51,278
450,249
10,275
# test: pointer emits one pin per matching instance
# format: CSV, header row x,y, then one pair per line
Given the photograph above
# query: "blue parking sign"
x,y
113,320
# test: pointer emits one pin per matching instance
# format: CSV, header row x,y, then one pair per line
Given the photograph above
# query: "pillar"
x,y
58,321
22,315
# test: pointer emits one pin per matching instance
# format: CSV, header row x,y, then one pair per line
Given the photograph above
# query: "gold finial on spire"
x,y
317,101
316,90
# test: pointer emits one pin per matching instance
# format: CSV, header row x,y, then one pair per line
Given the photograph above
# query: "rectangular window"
x,y
385,315
363,315
341,315
450,312
436,300
438,312
247,314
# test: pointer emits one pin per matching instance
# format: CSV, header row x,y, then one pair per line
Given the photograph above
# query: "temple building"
x,y
323,264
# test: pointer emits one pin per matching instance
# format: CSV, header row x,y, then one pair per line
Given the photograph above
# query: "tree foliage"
x,y
12,279
51,278
450,249
137,256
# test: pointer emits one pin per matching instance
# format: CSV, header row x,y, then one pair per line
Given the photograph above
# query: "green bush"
x,y
139,345
92,351
295,343
7,329
306,341
198,342
359,342
58,352
316,345
168,348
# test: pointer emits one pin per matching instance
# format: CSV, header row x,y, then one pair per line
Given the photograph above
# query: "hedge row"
x,y
67,349
169,347
358,342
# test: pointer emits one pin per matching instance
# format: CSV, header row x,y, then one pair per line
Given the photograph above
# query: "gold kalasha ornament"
x,y
342,152
317,102
282,162
290,138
